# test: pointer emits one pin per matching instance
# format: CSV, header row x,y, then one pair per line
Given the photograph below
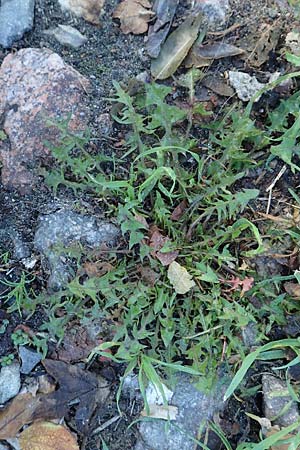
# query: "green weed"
x,y
157,331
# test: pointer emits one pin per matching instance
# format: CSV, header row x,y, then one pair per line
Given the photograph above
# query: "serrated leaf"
x,y
176,48
180,279
47,436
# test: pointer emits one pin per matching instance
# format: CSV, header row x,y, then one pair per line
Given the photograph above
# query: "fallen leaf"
x,y
180,279
279,446
134,15
75,384
95,269
148,275
47,436
164,11
142,220
267,42
88,9
18,413
165,412
76,344
217,51
79,389
157,242
179,210
176,48
218,85
246,284
292,289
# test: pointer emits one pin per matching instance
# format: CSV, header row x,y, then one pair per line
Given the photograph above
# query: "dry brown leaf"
x,y
95,269
18,413
148,275
293,289
157,242
175,49
76,344
77,384
179,210
134,15
165,412
180,279
274,429
269,36
218,50
218,85
47,436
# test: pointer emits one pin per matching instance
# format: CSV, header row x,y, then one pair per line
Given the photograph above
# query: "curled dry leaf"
x,y
179,210
74,383
176,48
157,242
134,15
269,36
16,414
165,412
218,50
218,85
47,436
204,55
180,279
292,289
164,11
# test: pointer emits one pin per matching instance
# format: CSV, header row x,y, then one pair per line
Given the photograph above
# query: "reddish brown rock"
x,y
35,85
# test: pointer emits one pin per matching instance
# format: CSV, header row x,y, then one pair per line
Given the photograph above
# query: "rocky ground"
x,y
58,62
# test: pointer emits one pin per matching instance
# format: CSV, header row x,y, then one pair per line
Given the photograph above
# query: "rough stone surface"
x,y
3,447
29,359
245,85
67,35
64,228
215,12
194,408
276,397
9,382
88,9
16,17
35,85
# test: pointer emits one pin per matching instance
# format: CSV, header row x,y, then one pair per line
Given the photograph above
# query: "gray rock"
x,y
67,35
131,388
16,17
29,359
3,447
250,334
9,382
276,398
194,409
245,85
215,12
65,228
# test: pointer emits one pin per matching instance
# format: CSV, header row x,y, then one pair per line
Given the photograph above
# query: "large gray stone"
x,y
63,229
10,382
195,408
16,17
